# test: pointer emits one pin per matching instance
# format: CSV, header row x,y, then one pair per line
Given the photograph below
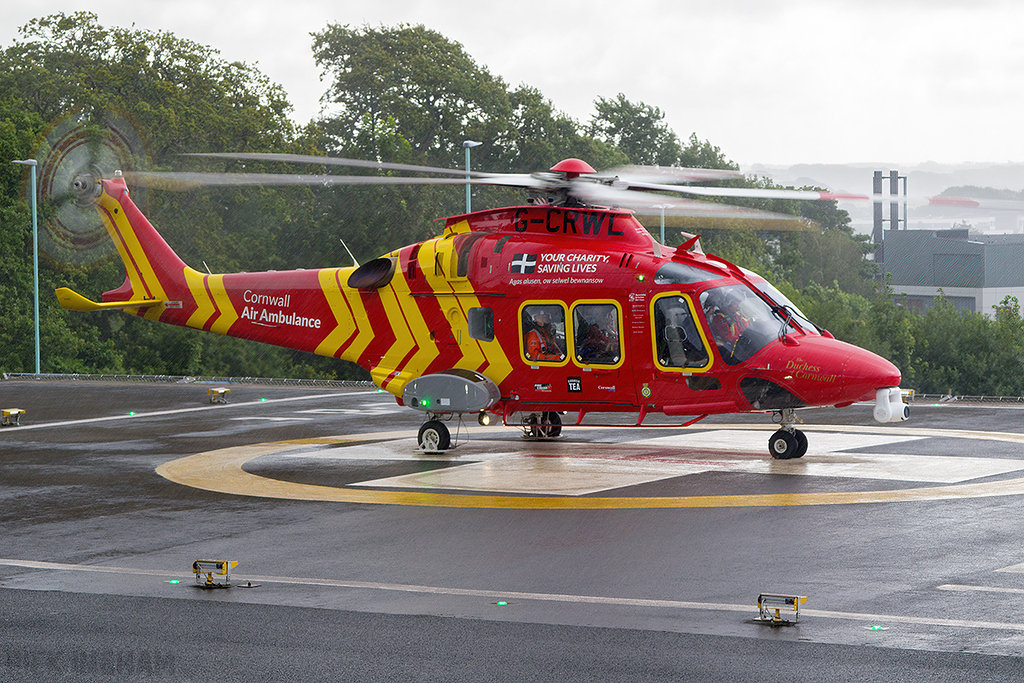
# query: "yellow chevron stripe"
x,y
347,324
140,271
204,303
403,344
410,330
228,315
475,353
365,336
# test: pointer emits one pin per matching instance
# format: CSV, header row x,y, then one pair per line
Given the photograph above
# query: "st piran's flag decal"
x,y
524,263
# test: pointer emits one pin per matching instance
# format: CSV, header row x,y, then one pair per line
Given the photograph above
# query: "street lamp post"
x,y
31,163
468,145
663,207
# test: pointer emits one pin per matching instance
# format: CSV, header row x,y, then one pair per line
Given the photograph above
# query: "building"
x,y
973,271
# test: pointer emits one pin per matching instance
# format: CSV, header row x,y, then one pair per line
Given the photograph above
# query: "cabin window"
x,y
677,340
544,333
481,324
596,334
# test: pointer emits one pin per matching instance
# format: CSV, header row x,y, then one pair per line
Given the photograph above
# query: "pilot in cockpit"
x,y
728,321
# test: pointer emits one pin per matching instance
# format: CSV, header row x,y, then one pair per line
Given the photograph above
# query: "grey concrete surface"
x,y
96,548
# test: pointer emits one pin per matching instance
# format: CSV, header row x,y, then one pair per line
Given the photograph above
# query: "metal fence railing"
x,y
950,398
186,379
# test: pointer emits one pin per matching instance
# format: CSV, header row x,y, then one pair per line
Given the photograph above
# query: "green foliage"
x,y
180,93
639,131
969,353
180,97
410,78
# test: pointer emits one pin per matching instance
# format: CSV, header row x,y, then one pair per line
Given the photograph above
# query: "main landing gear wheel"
x,y
545,426
786,444
434,437
550,425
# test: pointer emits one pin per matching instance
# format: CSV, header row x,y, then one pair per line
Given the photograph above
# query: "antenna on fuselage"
x,y
356,263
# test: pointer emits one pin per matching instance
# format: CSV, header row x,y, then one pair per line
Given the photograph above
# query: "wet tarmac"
x,y
608,554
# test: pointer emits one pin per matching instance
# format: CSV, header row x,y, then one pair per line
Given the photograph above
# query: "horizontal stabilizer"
x,y
73,301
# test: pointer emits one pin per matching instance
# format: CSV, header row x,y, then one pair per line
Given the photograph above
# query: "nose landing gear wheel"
x,y
785,444
434,437
801,443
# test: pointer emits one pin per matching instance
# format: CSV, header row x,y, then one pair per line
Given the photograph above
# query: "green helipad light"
x,y
173,581
131,412
501,603
262,399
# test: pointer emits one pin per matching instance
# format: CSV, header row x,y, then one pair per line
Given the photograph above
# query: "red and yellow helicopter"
x,y
562,305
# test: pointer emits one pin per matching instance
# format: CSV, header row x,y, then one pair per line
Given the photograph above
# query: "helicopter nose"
x,y
824,371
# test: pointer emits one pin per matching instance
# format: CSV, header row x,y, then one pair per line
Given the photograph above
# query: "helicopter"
x,y
564,304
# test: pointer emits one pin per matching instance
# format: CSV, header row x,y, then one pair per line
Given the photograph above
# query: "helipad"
x,y
501,473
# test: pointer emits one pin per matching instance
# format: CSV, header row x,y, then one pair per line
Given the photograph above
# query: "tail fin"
x,y
156,278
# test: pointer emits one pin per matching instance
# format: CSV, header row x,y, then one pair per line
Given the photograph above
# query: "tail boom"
x,y
394,330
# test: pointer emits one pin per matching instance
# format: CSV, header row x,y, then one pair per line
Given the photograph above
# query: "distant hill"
x,y
927,179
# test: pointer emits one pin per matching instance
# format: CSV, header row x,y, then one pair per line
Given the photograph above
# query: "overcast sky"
x,y
768,81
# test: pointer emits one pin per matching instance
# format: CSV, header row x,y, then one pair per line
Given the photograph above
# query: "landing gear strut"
x,y
787,442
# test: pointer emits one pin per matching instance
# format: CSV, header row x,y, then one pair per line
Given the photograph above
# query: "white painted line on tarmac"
x,y
958,588
363,409
572,469
544,597
177,411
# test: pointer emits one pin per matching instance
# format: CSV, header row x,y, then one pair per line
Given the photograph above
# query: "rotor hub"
x,y
572,168
86,188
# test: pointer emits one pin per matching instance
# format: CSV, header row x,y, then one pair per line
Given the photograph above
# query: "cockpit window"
x,y
677,341
740,321
782,300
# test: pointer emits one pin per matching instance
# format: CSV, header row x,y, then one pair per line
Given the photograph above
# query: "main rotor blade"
x,y
759,193
977,203
188,180
816,195
653,205
333,161
669,175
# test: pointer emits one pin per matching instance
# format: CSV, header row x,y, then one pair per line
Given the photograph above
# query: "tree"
x,y
181,94
408,94
180,97
409,78
536,136
639,131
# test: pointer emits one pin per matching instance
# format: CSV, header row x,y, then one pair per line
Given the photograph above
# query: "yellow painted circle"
x,y
222,471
